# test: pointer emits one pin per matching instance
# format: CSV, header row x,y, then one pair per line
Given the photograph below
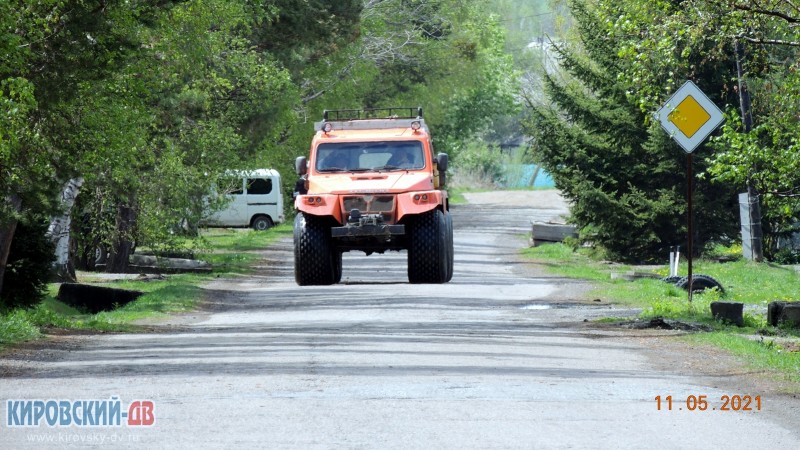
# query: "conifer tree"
x,y
624,177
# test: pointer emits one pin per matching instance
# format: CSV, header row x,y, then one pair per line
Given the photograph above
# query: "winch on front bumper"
x,y
367,225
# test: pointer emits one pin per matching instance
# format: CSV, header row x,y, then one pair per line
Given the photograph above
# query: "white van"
x,y
256,200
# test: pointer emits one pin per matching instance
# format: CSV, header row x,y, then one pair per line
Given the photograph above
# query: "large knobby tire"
x,y
449,222
314,255
337,266
700,283
428,249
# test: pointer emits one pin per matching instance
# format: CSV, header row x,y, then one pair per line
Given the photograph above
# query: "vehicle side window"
x,y
230,186
259,186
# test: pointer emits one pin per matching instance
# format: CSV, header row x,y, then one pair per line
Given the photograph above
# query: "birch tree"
x,y
59,232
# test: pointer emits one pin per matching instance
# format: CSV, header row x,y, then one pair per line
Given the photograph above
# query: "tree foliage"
x,y
665,42
151,102
625,179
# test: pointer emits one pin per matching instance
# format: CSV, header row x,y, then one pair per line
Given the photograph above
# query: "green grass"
x,y
743,281
456,196
230,252
179,293
17,326
754,284
242,240
766,354
561,260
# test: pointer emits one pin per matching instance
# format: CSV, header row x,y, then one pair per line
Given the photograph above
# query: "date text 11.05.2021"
x,y
703,403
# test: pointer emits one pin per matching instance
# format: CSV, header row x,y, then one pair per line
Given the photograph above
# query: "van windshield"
x,y
364,156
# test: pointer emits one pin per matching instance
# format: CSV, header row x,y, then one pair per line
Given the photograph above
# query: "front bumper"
x,y
368,230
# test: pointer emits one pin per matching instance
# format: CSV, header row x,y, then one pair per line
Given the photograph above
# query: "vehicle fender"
x,y
319,205
413,203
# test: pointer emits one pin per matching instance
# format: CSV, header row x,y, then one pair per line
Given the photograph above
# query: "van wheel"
x,y
428,253
315,260
261,223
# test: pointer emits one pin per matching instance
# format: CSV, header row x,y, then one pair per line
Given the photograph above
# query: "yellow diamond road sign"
x,y
689,116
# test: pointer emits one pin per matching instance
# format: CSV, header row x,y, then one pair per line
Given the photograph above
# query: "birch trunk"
x,y
59,232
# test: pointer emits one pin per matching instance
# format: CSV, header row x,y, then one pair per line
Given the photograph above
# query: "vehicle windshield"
x,y
366,156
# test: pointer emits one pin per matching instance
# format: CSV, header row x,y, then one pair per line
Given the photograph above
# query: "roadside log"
x,y
95,298
544,232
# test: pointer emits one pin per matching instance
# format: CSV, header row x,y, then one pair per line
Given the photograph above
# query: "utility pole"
x,y
749,206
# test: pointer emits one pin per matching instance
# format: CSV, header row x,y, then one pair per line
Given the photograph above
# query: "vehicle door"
x,y
235,213
261,197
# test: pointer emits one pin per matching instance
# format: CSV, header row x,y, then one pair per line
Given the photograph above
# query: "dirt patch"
x,y
543,199
660,323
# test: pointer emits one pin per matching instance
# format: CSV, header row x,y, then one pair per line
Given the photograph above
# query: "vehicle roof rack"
x,y
371,113
372,118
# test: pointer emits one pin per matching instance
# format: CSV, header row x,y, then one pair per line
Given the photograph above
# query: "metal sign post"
x,y
689,116
689,218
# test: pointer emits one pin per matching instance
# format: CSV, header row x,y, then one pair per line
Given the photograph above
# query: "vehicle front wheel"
x,y
429,249
315,261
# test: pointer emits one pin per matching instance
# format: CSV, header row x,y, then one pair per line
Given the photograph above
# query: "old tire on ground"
x,y
427,251
261,223
313,253
672,279
700,283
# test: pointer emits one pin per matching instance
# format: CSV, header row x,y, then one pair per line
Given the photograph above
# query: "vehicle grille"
x,y
370,204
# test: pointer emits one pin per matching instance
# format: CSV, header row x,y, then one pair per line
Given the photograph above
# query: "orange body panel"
x,y
419,202
327,206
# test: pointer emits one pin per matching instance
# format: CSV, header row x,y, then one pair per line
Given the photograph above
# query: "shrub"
x,y
479,164
30,263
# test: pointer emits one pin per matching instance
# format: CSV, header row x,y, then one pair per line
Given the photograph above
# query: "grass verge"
x,y
753,284
230,252
764,354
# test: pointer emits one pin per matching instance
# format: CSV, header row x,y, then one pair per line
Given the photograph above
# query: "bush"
x,y
478,164
30,263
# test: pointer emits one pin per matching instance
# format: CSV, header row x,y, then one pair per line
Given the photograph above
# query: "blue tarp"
x,y
520,175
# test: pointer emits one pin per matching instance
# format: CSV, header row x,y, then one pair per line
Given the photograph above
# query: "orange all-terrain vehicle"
x,y
372,183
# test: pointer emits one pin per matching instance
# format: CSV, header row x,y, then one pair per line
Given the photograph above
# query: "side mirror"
x,y
301,165
441,164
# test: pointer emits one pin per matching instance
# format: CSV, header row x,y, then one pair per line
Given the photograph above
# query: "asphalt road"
x,y
498,358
